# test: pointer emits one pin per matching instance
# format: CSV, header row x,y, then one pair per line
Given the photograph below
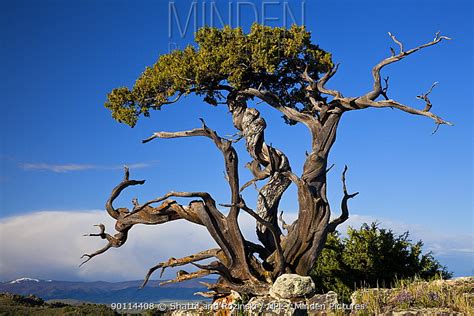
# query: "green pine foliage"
x,y
372,257
266,57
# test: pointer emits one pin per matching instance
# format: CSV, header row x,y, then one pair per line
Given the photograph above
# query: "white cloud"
x,y
48,245
68,167
56,167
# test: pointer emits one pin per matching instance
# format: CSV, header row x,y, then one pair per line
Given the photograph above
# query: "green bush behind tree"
x,y
372,257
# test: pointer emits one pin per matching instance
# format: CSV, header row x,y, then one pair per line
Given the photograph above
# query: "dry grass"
x,y
456,295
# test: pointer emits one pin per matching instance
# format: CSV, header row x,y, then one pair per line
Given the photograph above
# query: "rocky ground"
x,y
292,295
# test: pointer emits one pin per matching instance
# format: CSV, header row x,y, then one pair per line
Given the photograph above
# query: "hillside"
x,y
103,292
13,304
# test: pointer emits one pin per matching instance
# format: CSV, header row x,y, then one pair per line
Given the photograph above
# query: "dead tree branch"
x,y
377,88
113,242
284,225
369,99
344,208
117,190
173,262
322,83
184,276
424,97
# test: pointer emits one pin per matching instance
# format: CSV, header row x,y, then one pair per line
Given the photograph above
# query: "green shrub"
x,y
372,257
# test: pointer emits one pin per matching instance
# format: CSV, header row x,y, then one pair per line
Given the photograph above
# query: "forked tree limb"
x,y
274,101
197,212
225,146
321,83
344,208
112,242
310,91
385,89
424,97
377,87
92,255
369,99
280,260
173,262
206,197
126,182
225,230
362,103
187,276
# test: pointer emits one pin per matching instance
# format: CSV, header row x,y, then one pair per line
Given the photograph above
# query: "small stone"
x,y
329,299
292,286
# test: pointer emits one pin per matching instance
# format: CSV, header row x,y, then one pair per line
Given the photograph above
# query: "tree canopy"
x,y
270,58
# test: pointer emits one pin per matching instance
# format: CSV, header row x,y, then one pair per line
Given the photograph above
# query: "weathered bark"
x,y
296,252
268,162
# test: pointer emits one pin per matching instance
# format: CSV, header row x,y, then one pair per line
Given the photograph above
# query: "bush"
x,y
372,257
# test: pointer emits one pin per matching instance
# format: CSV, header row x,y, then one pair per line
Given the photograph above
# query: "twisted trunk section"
x,y
268,162
307,236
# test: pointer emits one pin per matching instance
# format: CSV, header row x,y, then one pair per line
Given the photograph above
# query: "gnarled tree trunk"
x,y
245,266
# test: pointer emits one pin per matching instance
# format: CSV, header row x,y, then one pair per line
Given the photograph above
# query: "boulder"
x,y
288,286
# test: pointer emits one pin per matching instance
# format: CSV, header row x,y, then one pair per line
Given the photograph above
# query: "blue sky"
x,y
61,151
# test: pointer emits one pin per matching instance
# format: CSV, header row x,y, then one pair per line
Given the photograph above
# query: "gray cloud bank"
x,y
48,245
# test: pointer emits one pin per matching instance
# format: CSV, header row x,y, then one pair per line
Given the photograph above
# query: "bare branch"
x,y
385,89
101,234
284,225
362,103
377,88
173,262
424,97
206,197
215,267
322,82
210,294
344,208
280,262
113,242
98,252
396,41
184,276
117,190
275,102
261,176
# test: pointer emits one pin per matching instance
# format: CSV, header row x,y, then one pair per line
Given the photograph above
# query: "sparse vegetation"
x,y
13,304
439,296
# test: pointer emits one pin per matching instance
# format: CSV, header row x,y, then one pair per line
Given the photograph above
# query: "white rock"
x,y
292,286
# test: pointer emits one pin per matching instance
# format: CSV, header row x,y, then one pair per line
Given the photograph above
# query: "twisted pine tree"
x,y
282,68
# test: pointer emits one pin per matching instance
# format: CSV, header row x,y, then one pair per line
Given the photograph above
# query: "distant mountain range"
x,y
105,292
